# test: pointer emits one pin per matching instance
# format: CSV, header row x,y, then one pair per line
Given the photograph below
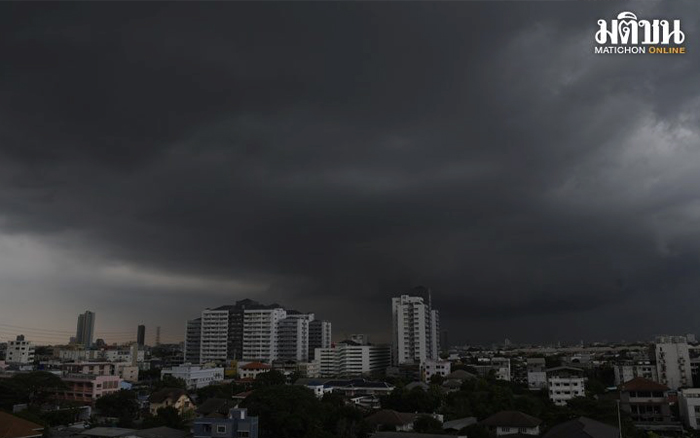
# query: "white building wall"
x,y
195,376
19,351
214,339
673,361
413,325
689,406
260,333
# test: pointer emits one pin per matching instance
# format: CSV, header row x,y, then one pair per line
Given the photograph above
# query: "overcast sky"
x,y
157,159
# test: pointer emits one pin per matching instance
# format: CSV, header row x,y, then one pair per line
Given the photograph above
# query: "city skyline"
x,y
328,157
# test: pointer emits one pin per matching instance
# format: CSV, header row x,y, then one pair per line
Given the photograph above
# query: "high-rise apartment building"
x,y
193,341
415,327
249,330
141,335
261,333
293,336
320,335
86,329
673,361
214,336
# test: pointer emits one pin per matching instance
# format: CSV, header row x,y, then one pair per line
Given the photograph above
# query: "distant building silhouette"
x,y
86,329
141,336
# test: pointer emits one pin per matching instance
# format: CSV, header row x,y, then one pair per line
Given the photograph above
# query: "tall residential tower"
x,y
415,327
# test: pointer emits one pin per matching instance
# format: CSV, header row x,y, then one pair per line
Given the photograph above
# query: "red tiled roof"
x,y
642,384
256,366
15,427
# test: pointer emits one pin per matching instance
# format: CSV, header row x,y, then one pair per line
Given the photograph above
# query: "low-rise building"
x,y
87,388
628,370
689,407
195,376
512,422
20,351
251,370
237,425
430,368
174,397
348,359
583,427
536,374
14,427
565,383
648,404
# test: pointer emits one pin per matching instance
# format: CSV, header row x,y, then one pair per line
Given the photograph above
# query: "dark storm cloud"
x,y
339,153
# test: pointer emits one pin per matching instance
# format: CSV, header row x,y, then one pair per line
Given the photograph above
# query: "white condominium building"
x,y
673,361
260,333
415,328
214,335
348,359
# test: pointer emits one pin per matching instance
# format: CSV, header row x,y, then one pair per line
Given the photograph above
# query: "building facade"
x,y
86,329
236,425
673,361
689,407
628,370
20,351
261,333
349,359
195,376
565,383
536,374
320,336
415,328
193,340
214,336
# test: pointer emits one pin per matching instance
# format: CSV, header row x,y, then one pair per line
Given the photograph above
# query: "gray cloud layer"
x,y
159,158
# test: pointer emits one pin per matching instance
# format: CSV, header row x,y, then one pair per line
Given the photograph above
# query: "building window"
x,y
221,428
243,434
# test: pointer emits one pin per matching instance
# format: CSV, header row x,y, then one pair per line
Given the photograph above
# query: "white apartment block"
x,y
195,376
673,361
415,330
123,355
628,370
536,374
565,383
214,336
502,367
293,337
260,333
689,404
430,368
347,360
76,355
19,351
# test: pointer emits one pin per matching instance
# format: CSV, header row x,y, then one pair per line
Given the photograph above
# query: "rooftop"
x,y
12,426
582,427
511,419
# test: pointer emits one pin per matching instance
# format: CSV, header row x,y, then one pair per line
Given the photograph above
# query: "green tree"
x,y
286,411
168,381
427,424
270,378
167,416
38,386
122,404
225,391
